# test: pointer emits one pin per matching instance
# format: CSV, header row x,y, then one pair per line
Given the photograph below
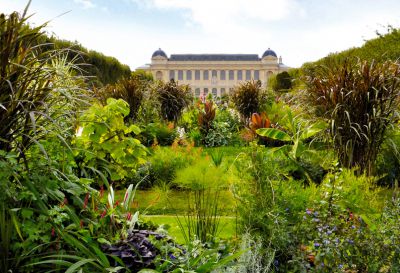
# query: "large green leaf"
x,y
313,129
274,134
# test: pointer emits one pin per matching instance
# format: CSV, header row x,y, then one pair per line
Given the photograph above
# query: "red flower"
x,y
81,223
86,201
103,214
53,232
128,216
116,203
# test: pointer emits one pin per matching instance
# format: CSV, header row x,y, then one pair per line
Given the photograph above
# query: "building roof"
x,y
269,52
214,57
159,52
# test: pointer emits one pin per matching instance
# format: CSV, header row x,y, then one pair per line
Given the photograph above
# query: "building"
x,y
214,73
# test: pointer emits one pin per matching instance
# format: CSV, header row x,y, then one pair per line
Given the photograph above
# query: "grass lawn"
x,y
227,226
171,202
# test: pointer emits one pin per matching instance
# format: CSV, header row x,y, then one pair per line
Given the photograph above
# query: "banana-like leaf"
x,y
274,134
313,129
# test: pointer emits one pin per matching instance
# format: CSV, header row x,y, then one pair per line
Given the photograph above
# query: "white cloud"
x,y
87,4
229,15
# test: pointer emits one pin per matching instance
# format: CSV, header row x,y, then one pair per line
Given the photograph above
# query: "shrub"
x,y
105,143
158,134
173,98
131,89
283,81
360,99
205,118
247,98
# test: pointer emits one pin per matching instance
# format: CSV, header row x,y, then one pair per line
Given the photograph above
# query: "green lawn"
x,y
171,202
227,226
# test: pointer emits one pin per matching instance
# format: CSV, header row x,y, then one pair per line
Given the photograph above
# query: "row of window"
x,y
223,75
214,91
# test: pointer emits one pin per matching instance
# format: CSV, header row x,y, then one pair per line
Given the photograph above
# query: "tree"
x,y
283,81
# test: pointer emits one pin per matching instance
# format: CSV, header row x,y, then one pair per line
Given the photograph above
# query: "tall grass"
x,y
202,219
360,100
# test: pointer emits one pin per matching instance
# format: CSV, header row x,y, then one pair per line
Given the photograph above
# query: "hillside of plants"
x,y
138,175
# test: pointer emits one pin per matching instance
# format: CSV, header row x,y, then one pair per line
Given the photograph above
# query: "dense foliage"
x,y
98,68
360,101
267,190
247,98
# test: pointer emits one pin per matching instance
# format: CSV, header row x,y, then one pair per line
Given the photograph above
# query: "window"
x,y
222,91
248,75
197,92
189,75
205,75
240,75
214,73
158,75
172,74
197,75
180,75
214,92
231,75
205,92
256,75
222,75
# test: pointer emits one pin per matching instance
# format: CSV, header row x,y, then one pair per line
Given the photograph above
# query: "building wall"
x,y
219,80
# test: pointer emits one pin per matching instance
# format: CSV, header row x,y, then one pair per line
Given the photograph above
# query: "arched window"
x,y
248,75
172,74
222,91
205,75
197,75
256,75
189,75
222,75
180,75
159,75
240,75
197,92
231,75
214,92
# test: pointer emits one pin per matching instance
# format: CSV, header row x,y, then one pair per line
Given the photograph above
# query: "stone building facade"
x,y
214,73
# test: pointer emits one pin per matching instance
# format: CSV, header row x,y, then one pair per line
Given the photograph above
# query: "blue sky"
x,y
131,30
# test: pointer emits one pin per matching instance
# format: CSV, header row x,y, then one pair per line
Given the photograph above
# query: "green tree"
x,y
283,81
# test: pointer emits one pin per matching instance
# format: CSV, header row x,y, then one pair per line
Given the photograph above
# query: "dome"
x,y
269,52
159,52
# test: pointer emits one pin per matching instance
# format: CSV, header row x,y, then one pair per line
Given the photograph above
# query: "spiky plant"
x,y
131,89
247,98
33,89
173,98
360,99
205,118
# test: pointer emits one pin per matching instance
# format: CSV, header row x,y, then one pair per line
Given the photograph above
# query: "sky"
x,y
131,30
